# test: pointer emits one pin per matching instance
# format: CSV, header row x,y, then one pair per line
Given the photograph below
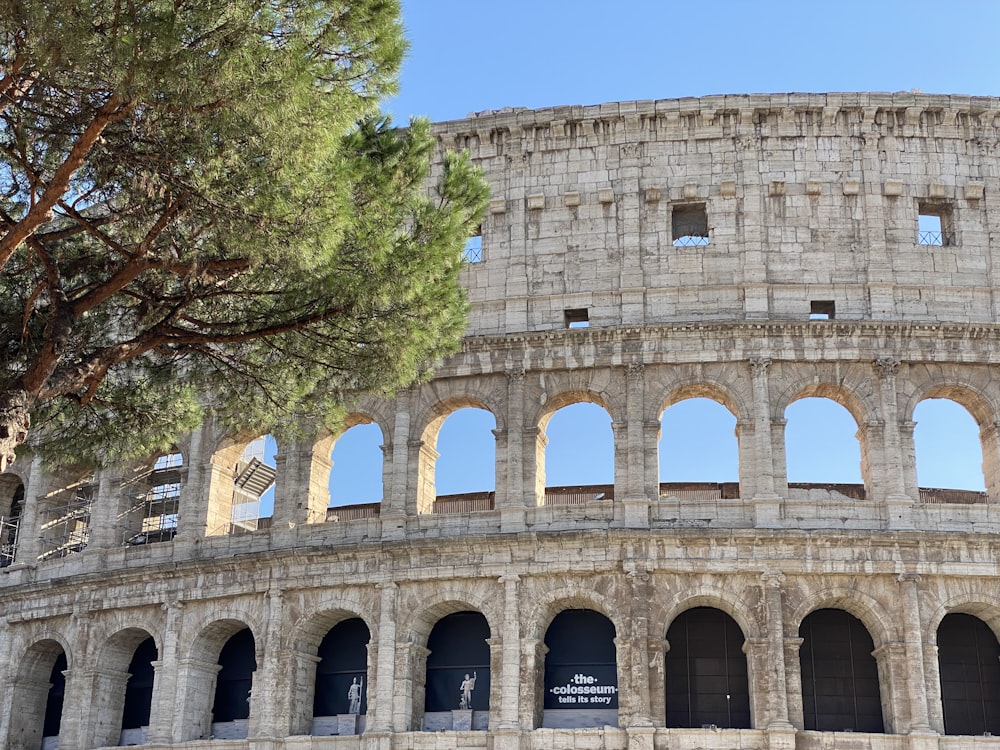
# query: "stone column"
x,y
165,680
908,456
916,682
271,690
531,692
767,502
776,686
890,660
302,683
932,672
105,530
396,474
898,502
507,709
78,698
651,429
380,705
514,491
102,718
746,441
793,680
638,708
195,697
630,485
656,650
989,438
29,531
411,687
534,464
194,491
423,458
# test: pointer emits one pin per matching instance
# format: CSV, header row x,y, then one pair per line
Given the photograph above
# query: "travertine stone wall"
x,y
808,198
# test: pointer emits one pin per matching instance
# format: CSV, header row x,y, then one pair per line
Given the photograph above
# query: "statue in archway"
x,y
354,696
465,692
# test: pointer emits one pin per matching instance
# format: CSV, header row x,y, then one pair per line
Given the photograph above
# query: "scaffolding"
x,y
9,526
252,479
65,521
152,503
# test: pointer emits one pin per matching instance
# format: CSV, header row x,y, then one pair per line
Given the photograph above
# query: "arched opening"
x,y
54,701
840,688
233,687
457,684
253,485
579,464
822,448
356,470
152,501
340,700
37,705
581,671
969,663
699,451
949,453
64,517
706,671
138,694
465,470
11,507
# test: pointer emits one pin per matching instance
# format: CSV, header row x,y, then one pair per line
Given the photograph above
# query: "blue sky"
x,y
467,56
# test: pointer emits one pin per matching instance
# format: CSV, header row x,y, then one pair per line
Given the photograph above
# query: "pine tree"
x,y
201,204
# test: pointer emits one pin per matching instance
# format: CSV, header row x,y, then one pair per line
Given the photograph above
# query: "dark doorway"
x,y
969,661
343,655
139,688
458,652
706,681
238,660
840,690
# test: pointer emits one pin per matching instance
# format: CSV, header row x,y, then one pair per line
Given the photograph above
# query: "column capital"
x,y
772,578
515,375
885,367
759,364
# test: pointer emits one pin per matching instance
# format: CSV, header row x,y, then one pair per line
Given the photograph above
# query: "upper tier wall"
x,y
807,197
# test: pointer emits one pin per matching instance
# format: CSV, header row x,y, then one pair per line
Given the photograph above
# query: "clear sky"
x,y
467,56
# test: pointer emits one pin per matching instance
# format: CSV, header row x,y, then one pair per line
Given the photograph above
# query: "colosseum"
x,y
754,250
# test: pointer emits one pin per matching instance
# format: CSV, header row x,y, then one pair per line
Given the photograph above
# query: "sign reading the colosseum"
x,y
596,688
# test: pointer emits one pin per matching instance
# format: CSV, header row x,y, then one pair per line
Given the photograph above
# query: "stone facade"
x,y
697,238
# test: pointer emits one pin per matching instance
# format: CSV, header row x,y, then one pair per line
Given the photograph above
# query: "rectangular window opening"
x,y
689,225
577,318
473,250
935,224
822,310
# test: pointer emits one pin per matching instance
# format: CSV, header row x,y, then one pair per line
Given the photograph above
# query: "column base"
x,y
513,519
780,736
633,512
767,511
899,512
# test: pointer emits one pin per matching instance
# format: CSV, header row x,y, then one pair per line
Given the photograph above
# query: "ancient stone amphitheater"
x,y
754,250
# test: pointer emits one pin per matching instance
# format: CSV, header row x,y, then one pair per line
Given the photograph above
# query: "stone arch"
x,y
860,403
12,500
662,614
427,426
547,604
875,617
979,604
30,691
416,629
984,411
306,636
111,678
721,393
568,398
150,497
200,668
322,467
235,481
877,622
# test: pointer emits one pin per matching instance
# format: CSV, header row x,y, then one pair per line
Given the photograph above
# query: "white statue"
x,y
465,691
354,696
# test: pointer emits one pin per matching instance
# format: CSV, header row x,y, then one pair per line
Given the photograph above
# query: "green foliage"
x,y
200,205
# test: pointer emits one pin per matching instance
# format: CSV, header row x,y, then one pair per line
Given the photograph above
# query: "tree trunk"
x,y
15,417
